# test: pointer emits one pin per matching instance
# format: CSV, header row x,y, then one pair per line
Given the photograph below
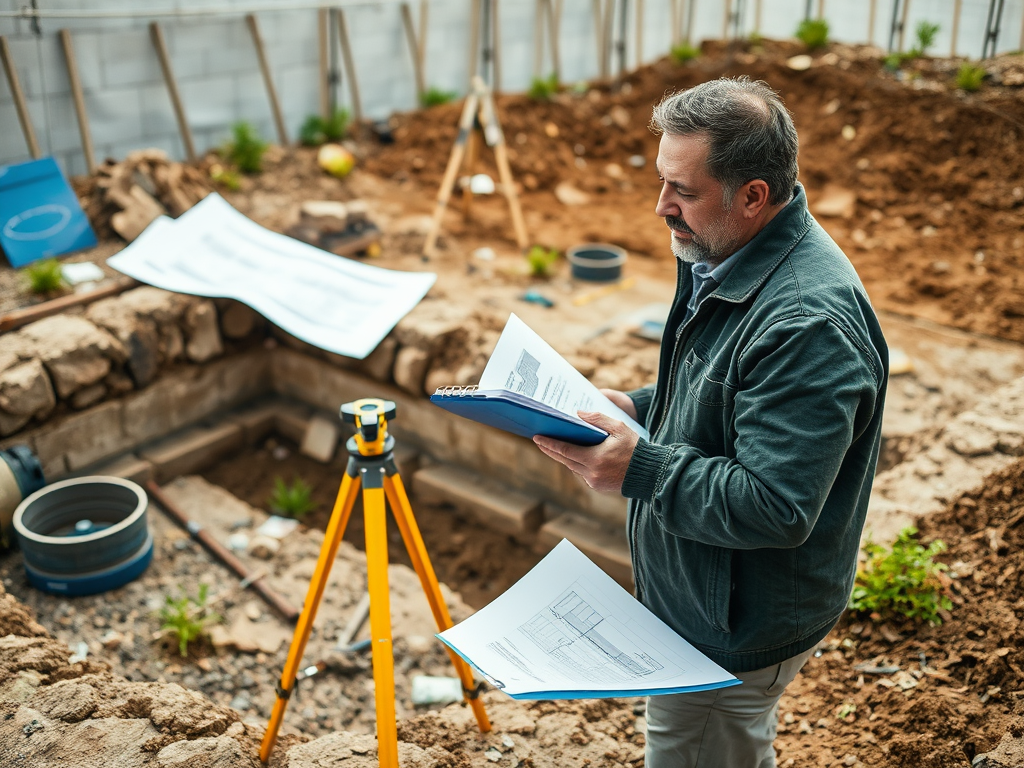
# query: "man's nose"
x,y
666,204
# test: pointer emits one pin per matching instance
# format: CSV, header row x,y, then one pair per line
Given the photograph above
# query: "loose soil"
x,y
934,232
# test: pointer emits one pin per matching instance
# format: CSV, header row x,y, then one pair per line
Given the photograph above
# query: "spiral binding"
x,y
457,390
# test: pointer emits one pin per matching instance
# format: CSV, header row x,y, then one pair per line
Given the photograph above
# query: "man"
x,y
748,501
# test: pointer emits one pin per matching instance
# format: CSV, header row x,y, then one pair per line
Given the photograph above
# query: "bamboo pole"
x,y
350,67
956,27
19,100
414,50
268,80
323,34
871,22
160,44
79,99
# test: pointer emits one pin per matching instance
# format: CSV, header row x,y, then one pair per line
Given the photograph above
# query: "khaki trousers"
x,y
726,728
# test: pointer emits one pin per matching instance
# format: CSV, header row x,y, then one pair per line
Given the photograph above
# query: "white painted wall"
x,y
218,75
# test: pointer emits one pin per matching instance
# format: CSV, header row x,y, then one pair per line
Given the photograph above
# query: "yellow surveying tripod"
x,y
371,465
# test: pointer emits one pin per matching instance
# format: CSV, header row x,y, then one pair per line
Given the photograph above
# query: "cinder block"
x,y
605,545
130,58
493,504
209,102
84,438
192,450
129,466
114,114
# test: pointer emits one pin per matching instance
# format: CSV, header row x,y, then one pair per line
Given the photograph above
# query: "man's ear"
x,y
753,197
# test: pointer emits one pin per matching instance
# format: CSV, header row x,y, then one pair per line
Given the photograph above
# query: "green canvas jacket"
x,y
748,501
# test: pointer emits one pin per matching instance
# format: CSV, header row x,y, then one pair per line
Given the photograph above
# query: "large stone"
x,y
25,390
216,752
202,332
411,369
75,352
238,320
433,326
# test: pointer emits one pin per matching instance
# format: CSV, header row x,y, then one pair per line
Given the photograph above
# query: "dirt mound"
x,y
936,172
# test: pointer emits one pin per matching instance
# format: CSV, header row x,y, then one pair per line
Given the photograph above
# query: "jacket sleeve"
x,y
807,390
642,402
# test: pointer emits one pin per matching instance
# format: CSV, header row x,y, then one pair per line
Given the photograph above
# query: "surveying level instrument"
x,y
371,465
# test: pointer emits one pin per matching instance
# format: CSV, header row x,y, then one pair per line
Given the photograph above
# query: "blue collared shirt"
x,y
706,278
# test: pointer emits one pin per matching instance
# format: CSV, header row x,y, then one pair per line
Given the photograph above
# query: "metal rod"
x,y
995,15
79,99
350,68
172,88
19,99
268,80
219,551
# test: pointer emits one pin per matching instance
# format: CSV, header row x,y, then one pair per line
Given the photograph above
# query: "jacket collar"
x,y
767,250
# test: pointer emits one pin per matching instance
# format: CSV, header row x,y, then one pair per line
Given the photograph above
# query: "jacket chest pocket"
x,y
704,410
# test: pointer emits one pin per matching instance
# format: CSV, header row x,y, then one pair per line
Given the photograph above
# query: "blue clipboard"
x,y
39,214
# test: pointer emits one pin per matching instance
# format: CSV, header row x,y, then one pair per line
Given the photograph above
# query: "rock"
x,y
320,439
25,390
411,369
140,210
91,395
800,63
325,216
202,334
379,363
75,352
567,194
835,202
216,752
263,547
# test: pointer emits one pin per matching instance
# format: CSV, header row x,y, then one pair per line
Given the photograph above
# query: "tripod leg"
x,y
380,617
402,510
332,539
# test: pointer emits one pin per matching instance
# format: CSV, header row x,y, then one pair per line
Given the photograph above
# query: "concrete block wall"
x,y
215,63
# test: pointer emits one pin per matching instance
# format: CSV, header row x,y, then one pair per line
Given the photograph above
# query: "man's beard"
x,y
713,248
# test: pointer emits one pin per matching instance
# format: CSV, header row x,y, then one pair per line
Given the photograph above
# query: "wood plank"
x,y
79,99
19,99
157,34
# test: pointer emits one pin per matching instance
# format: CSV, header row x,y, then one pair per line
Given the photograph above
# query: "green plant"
x,y
293,500
926,32
813,33
44,276
187,617
316,130
225,177
435,96
543,88
245,150
541,260
903,581
684,52
969,76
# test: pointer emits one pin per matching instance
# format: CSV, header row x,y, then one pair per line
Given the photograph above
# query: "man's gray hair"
x,y
750,132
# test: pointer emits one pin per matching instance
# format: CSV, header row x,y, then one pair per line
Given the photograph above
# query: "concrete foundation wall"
x,y
215,64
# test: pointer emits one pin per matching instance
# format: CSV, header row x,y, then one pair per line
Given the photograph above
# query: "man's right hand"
x,y
622,400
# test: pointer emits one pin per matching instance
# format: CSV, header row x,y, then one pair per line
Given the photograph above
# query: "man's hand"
x,y
622,400
604,465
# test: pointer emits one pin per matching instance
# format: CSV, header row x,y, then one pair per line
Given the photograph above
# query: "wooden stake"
x,y
472,151
268,80
691,6
495,47
609,33
414,51
821,9
323,35
474,39
725,21
871,22
422,38
903,23
451,171
496,138
675,22
554,26
639,19
350,67
79,99
538,38
602,62
172,88
19,100
758,16
956,27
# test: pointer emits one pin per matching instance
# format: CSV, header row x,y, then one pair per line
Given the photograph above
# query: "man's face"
x,y
703,228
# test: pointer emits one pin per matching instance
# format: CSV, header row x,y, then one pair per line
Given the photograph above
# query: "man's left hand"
x,y
602,466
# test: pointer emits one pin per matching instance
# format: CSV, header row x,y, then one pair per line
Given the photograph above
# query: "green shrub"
x,y
541,261
543,88
684,52
245,150
295,500
813,33
969,77
187,618
435,96
44,276
903,581
316,131
926,32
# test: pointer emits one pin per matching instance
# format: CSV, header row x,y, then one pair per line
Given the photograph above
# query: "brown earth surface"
x,y
935,232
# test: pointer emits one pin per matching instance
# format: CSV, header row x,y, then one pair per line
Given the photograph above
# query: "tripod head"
x,y
370,416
